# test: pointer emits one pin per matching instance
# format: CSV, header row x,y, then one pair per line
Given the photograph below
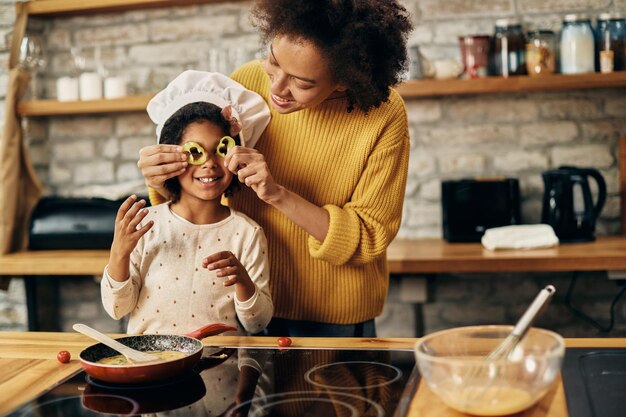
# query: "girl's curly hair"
x,y
173,130
363,41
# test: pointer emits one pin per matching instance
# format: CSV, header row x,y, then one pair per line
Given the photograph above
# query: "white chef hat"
x,y
246,110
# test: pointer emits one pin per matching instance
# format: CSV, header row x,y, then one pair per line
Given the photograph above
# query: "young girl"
x,y
158,270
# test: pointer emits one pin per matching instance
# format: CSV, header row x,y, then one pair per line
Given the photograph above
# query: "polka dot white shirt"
x,y
169,292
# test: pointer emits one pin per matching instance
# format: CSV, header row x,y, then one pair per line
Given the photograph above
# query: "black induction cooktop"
x,y
594,381
251,382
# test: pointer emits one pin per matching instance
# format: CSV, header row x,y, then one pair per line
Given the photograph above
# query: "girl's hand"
x,y
228,266
126,235
161,162
252,170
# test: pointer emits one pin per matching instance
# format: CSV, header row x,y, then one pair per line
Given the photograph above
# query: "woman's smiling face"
x,y
299,76
209,180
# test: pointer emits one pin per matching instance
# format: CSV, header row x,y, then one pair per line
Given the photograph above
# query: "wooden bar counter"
x,y
29,366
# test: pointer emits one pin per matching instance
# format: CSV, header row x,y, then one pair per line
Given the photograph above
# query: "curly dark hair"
x,y
363,41
173,130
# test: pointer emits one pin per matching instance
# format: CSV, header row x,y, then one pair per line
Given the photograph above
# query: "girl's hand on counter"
x,y
159,163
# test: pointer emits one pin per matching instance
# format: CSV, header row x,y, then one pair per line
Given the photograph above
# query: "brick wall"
x,y
516,135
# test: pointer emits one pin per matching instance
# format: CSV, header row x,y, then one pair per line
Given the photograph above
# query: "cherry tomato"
x,y
64,356
284,342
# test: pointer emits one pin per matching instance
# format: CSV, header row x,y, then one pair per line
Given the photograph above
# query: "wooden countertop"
x,y
29,364
405,256
437,256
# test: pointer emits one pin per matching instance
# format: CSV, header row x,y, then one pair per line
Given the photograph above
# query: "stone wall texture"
x,y
518,135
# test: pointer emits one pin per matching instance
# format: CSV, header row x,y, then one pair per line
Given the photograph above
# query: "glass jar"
x,y
577,45
610,43
415,63
474,55
541,52
508,46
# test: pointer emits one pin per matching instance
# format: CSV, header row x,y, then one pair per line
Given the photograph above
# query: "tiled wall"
x,y
516,135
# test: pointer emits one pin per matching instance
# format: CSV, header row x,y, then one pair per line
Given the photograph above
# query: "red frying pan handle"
x,y
210,330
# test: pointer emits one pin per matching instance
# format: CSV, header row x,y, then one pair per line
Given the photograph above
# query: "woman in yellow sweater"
x,y
326,179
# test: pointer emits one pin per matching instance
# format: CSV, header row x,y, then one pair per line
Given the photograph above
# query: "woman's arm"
x,y
359,230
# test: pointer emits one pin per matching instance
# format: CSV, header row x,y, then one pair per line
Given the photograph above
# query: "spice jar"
x,y
577,45
541,52
509,49
610,37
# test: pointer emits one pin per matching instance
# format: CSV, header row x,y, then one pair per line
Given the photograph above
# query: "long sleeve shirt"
x,y
169,292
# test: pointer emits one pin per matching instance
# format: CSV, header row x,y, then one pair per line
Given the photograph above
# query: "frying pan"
x,y
190,344
154,397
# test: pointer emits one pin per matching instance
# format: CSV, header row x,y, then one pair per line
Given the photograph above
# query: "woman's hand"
x,y
126,235
228,266
161,162
251,168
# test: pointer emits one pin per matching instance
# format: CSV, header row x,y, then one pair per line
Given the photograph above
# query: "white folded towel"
x,y
525,236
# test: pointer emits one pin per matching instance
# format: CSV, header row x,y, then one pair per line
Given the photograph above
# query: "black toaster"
x,y
73,223
472,205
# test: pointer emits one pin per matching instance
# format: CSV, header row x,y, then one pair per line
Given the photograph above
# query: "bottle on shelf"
x,y
508,49
610,37
577,45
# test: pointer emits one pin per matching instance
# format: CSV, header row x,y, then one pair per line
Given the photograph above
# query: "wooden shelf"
x,y
54,262
68,108
412,256
520,84
409,89
53,8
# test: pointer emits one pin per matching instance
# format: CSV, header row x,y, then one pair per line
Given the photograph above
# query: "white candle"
x,y
90,86
114,87
67,89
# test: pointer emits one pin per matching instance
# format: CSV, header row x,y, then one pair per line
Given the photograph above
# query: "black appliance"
x,y
568,204
472,205
73,223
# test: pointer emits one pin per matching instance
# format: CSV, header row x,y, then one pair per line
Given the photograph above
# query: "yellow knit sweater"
x,y
355,166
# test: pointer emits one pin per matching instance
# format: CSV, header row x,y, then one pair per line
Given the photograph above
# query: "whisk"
x,y
504,349
495,368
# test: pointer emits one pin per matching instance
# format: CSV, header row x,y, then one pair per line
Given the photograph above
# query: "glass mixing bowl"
x,y
454,365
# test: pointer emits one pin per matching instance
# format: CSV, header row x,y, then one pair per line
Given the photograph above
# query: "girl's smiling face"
x,y
209,180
